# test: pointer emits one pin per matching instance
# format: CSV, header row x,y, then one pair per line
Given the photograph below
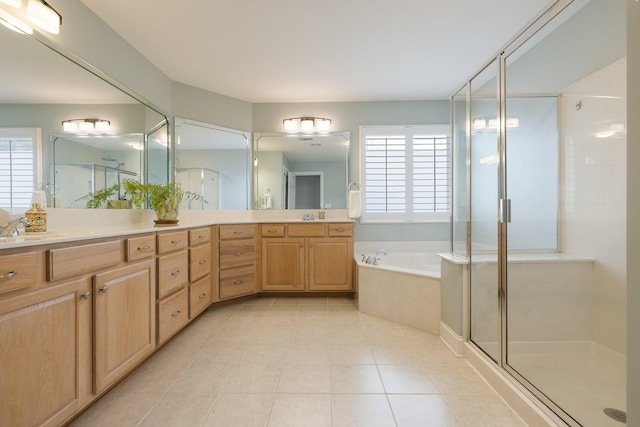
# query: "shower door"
x,y
485,319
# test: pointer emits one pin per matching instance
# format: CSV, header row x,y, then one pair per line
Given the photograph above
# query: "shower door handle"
x,y
505,211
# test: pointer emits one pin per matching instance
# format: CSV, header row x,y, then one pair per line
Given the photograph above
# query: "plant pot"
x,y
168,211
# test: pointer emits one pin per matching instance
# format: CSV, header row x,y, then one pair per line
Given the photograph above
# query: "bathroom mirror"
x,y
39,88
213,161
301,171
84,164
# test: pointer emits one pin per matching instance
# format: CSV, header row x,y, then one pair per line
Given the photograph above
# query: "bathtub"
x,y
405,285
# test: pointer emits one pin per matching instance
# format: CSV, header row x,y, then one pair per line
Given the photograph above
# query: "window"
x,y
405,173
18,166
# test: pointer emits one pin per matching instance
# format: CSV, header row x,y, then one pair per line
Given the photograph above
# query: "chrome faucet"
x,y
11,229
381,251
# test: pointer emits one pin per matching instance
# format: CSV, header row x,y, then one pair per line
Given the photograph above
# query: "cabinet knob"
x,y
301,245
8,275
175,273
176,313
144,248
86,295
104,289
311,245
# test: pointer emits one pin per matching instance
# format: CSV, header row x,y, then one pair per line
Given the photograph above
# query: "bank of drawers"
x,y
184,283
237,248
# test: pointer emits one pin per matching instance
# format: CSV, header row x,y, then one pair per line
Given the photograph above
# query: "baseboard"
x,y
451,339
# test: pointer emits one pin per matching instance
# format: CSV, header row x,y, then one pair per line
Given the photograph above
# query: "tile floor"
x,y
301,362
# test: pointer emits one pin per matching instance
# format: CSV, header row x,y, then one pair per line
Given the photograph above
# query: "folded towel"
x,y
354,204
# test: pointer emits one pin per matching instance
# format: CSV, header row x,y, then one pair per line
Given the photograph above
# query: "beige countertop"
x,y
67,225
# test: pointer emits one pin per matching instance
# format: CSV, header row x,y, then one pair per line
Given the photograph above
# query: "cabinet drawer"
x,y
199,297
236,282
199,262
68,262
17,271
141,247
237,231
169,242
340,230
236,253
199,236
305,230
273,230
173,314
172,272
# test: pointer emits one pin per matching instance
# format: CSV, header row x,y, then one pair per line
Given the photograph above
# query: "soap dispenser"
x,y
322,213
37,214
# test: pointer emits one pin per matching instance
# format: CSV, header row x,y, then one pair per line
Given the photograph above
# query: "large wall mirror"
x,y
296,171
213,161
39,89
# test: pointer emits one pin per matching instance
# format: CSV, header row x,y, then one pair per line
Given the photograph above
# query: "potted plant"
x,y
164,199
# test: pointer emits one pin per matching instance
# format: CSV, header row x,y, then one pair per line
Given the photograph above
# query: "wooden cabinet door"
x,y
283,264
330,264
124,321
44,355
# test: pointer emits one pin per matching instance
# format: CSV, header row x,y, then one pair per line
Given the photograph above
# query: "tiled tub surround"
x,y
301,362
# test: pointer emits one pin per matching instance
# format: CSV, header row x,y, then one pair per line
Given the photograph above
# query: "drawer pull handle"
x,y
202,295
238,232
175,242
340,230
8,275
176,314
238,282
272,231
238,253
202,261
144,248
104,289
201,236
86,295
175,273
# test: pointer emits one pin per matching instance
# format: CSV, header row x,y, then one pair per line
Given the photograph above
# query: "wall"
x,y
594,194
633,213
208,107
349,116
87,36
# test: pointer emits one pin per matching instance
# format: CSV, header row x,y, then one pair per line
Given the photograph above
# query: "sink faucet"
x,y
11,229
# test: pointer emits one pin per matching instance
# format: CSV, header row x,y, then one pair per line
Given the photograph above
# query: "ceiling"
x,y
330,51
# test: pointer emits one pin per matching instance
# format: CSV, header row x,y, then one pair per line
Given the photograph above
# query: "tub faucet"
x,y
11,229
381,251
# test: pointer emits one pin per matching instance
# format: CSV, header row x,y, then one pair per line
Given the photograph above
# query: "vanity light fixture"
x,y
44,16
12,3
307,124
86,125
13,23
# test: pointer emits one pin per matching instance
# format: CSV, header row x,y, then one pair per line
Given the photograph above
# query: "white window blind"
x,y
406,173
17,168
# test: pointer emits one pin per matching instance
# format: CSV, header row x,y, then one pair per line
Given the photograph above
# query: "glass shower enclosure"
x,y
545,153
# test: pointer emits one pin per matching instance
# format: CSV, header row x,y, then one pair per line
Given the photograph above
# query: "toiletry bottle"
x,y
37,214
321,213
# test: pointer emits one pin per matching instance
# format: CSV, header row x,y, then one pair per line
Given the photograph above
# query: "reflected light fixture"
x,y
86,125
307,124
44,16
491,123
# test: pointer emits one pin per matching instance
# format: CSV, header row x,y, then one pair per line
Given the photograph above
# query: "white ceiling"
x,y
333,50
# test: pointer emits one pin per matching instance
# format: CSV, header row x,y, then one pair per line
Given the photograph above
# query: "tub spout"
x,y
381,252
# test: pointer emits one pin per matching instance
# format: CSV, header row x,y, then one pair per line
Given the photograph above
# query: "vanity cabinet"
x,y
46,354
307,257
124,321
237,260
